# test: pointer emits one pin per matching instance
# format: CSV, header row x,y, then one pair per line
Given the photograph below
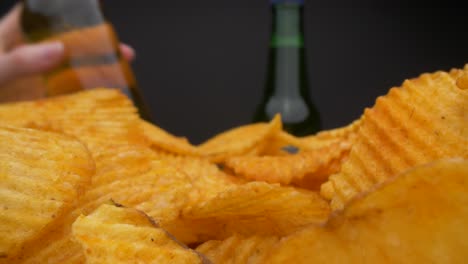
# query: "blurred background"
x,y
201,64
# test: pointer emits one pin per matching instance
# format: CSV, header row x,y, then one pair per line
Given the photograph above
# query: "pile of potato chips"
x,y
84,180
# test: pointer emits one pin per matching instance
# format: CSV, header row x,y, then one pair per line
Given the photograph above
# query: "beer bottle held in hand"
x,y
287,88
92,55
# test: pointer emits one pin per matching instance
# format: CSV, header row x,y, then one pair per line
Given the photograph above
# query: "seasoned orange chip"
x,y
42,175
128,236
307,169
274,169
337,133
238,249
159,190
160,139
207,179
253,208
240,140
425,120
282,143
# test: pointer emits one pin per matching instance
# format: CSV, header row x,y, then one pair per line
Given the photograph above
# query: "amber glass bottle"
x,y
92,55
286,88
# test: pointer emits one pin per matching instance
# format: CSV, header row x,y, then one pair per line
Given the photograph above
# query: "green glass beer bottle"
x,y
92,54
286,88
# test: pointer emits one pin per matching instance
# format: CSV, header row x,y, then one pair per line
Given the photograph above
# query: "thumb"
x,y
30,59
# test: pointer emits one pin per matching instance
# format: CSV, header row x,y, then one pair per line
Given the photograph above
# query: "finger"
x,y
10,31
127,52
30,59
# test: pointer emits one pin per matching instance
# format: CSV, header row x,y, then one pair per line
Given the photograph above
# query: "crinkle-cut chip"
x,y
160,192
160,139
239,140
307,169
125,173
255,208
418,217
127,236
41,176
238,249
331,159
272,169
98,115
207,179
337,133
121,161
423,121
280,142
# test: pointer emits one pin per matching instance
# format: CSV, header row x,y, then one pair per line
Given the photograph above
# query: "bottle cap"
x,y
297,2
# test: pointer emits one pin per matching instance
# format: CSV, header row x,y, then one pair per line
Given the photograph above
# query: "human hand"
x,y
19,60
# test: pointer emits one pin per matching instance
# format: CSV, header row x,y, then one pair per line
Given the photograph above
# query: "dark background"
x,y
201,64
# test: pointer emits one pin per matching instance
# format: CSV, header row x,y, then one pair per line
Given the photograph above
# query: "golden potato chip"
x,y
237,249
127,236
422,121
462,82
98,115
160,139
254,208
240,140
55,246
278,144
42,174
160,190
307,169
461,77
128,174
207,179
418,217
281,142
272,169
121,161
337,133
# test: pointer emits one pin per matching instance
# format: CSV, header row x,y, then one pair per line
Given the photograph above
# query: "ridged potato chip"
x,y
274,169
203,197
306,169
42,175
94,116
418,217
423,121
55,246
281,142
337,133
127,174
239,140
160,190
127,236
160,139
306,162
207,179
238,249
253,208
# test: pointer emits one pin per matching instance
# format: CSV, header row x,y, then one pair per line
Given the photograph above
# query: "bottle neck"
x,y
287,60
287,30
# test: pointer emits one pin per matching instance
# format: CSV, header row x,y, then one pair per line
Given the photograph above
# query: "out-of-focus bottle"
x,y
286,89
92,55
